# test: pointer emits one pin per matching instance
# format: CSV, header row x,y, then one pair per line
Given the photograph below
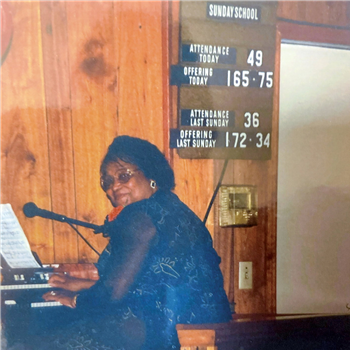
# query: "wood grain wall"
x,y
330,13
77,75
80,73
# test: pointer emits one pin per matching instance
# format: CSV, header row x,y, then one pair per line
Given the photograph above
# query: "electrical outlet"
x,y
245,275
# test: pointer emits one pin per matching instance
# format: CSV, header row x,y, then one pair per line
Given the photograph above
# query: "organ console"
x,y
21,300
22,305
24,287
24,280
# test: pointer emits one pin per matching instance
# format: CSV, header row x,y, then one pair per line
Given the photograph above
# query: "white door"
x,y
313,224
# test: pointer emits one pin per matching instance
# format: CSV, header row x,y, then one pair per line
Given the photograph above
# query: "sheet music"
x,y
14,246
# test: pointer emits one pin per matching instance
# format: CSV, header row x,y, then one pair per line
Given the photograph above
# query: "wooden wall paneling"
x,y
93,62
258,243
316,13
166,42
194,177
224,236
24,147
291,10
194,185
301,9
58,110
271,225
173,46
250,242
321,12
313,34
325,12
140,108
287,9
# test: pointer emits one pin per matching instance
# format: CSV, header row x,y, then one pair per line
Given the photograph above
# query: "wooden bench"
x,y
273,332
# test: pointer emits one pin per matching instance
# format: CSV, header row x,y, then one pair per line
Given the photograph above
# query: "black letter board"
x,y
225,78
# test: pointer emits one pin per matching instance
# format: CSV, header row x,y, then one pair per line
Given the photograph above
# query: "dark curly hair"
x,y
146,156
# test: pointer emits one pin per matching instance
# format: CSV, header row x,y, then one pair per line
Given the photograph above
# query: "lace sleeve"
x,y
138,232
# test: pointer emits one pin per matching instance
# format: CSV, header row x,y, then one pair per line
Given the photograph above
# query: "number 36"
x,y
251,120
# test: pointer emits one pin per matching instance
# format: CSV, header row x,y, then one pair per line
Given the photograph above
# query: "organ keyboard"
x,y
24,287
45,304
23,309
35,304
25,276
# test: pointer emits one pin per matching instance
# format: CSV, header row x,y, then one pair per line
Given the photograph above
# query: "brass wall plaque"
x,y
238,205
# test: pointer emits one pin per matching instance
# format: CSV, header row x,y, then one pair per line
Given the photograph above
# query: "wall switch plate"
x,y
245,275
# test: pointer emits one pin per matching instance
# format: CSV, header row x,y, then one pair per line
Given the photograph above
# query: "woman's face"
x,y
127,184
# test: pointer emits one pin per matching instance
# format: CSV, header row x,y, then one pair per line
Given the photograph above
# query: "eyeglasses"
x,y
123,177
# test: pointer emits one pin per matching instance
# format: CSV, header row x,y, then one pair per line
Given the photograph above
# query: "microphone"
x,y
30,210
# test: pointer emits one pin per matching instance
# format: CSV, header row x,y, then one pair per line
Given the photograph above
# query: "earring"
x,y
153,184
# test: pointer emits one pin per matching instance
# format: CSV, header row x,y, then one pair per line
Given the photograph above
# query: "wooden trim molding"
x,y
310,32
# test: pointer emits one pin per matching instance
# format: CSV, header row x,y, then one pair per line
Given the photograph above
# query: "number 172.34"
x,y
243,140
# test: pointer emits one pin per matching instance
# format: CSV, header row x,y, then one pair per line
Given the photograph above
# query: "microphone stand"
x,y
84,239
97,229
30,210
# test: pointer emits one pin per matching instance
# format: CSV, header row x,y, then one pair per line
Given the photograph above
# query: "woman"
x,y
159,268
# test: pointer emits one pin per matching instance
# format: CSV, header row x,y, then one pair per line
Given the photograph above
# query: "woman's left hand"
x,y
66,299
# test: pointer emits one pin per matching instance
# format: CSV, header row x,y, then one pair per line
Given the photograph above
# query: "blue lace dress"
x,y
159,269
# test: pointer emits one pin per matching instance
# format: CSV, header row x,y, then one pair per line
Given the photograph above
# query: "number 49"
x,y
255,57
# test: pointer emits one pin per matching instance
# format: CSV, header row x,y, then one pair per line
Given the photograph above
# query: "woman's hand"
x,y
67,282
63,297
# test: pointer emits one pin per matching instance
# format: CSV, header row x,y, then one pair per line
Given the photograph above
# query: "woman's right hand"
x,y
63,297
67,282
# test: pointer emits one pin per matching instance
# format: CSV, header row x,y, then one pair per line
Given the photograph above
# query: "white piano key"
x,y
25,286
46,304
